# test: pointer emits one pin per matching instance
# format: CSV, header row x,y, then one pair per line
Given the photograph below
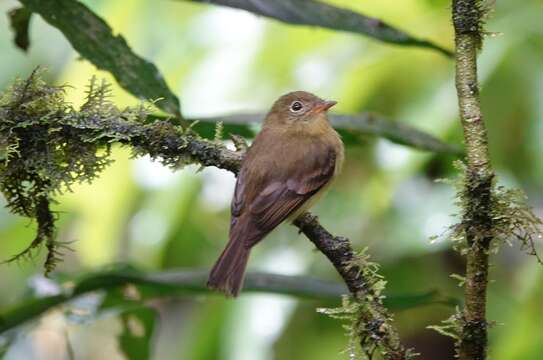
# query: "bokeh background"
x,y
221,61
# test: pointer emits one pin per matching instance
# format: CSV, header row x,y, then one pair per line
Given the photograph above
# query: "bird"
x,y
290,164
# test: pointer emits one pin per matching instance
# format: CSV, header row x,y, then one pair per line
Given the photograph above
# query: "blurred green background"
x,y
219,61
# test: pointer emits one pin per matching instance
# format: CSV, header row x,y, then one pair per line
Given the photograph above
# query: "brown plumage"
x,y
289,165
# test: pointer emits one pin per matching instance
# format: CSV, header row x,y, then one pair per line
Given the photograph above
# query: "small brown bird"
x,y
289,165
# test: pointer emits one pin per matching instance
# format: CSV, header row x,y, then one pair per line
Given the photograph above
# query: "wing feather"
x,y
280,198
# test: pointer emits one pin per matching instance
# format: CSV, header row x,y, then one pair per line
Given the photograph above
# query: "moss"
x,y
46,145
491,216
511,218
366,322
451,327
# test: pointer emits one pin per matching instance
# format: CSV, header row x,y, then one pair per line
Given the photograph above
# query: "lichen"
x,y
451,327
512,218
46,146
363,316
219,132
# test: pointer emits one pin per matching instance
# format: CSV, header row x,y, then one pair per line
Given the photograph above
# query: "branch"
x,y
317,13
477,219
375,318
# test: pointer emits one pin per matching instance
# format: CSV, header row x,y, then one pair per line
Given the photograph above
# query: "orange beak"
x,y
324,105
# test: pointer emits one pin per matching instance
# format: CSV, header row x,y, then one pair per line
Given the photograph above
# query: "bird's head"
x,y
297,108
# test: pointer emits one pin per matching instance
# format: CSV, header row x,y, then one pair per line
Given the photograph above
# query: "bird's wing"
x,y
280,197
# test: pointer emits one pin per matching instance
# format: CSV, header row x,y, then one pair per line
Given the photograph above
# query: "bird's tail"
x,y
229,270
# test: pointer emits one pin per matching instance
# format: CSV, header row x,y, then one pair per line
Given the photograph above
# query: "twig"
x,y
180,281
467,18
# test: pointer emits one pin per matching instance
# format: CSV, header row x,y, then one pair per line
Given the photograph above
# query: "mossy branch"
x,y
369,322
490,214
48,145
477,193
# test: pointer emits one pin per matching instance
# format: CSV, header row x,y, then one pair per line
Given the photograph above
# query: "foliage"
x,y
93,38
318,13
451,327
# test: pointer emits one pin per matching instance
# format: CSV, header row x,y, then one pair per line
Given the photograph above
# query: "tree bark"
x,y
477,196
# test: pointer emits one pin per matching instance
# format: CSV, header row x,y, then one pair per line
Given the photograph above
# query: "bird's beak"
x,y
325,105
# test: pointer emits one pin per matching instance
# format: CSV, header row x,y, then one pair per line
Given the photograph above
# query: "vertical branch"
x,y
477,219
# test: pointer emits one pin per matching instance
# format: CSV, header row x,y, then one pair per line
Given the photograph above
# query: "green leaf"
x,y
186,282
94,40
316,13
19,19
352,128
135,339
404,302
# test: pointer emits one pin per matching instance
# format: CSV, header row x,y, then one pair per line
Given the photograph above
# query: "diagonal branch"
x,y
376,318
377,323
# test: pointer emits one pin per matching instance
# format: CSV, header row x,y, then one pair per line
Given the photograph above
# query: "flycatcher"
x,y
289,165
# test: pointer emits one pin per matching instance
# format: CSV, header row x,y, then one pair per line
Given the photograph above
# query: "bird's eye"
x,y
296,106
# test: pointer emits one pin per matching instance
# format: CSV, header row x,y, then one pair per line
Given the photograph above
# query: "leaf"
x,y
352,129
316,13
369,123
404,302
19,19
94,40
186,282
26,310
135,339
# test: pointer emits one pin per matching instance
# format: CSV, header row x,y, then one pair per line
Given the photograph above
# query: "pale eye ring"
x,y
296,106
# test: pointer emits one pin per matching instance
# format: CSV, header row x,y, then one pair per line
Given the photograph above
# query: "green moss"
x,y
365,320
507,219
451,327
511,218
46,145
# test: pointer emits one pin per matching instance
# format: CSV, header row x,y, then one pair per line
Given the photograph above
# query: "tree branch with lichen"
x,y
49,145
371,323
490,214
477,219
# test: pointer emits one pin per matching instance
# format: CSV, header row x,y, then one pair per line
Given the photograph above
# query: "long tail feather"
x,y
228,272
